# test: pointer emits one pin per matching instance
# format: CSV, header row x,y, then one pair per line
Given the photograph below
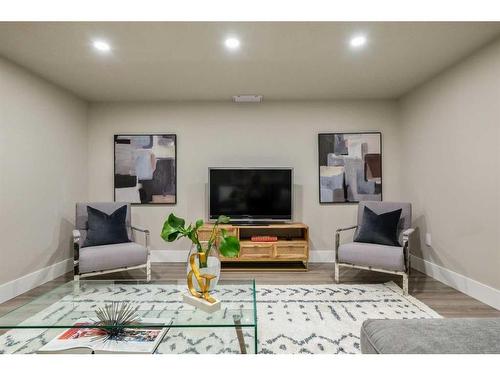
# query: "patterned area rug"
x,y
291,318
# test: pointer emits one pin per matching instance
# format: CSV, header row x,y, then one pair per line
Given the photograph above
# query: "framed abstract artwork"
x,y
350,167
145,168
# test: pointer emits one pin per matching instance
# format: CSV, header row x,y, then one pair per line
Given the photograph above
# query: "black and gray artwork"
x,y
350,167
145,169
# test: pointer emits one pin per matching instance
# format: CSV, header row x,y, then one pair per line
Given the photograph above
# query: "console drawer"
x,y
293,250
256,251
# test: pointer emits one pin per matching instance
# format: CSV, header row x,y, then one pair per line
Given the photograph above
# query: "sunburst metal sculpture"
x,y
115,317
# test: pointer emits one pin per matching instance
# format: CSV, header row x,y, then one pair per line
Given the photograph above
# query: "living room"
x,y
255,187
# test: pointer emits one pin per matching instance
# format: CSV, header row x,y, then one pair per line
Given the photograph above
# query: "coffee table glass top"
x,y
158,303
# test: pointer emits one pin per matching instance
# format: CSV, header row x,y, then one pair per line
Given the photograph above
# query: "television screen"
x,y
250,194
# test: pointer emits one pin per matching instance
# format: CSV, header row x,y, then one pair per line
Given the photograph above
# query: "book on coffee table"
x,y
96,341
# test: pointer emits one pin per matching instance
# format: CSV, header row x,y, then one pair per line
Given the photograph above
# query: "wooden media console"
x,y
289,252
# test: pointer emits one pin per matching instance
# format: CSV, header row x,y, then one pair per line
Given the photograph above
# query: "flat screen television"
x,y
250,194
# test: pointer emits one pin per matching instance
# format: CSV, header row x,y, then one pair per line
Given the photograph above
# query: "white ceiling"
x,y
280,60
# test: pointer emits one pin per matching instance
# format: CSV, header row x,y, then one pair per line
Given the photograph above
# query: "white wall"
x,y
451,167
43,164
228,134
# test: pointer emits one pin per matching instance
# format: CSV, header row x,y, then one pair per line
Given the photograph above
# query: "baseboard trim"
x,y
25,283
170,256
176,256
321,256
464,284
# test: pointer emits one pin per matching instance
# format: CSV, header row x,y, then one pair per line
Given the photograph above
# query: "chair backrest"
x,y
382,207
81,219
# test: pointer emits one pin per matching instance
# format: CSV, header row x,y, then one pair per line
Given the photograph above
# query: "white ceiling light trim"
x,y
358,41
101,45
232,43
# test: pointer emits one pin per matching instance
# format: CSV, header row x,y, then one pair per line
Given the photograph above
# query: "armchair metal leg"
x,y
337,273
405,285
76,284
148,270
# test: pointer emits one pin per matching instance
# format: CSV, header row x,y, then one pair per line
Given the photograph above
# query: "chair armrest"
x,y
337,239
406,236
140,230
408,232
346,228
146,235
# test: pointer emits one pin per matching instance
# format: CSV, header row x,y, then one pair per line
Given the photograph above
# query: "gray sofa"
x,y
431,336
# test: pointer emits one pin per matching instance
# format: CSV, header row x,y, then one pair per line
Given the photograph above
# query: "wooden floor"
x,y
445,300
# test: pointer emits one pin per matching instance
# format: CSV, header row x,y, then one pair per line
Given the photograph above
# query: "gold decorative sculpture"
x,y
228,246
202,279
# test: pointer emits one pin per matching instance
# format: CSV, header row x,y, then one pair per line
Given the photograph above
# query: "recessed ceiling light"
x,y
232,43
358,41
101,45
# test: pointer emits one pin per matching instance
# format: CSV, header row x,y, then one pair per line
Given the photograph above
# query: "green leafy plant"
x,y
175,228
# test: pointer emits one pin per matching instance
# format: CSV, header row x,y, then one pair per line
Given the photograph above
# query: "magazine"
x,y
95,341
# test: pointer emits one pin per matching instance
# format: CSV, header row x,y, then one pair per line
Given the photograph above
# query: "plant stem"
x,y
212,237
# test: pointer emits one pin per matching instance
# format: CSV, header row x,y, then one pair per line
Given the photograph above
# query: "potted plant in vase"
x,y
175,228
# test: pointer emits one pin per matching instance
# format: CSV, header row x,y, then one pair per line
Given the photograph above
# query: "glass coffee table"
x,y
232,329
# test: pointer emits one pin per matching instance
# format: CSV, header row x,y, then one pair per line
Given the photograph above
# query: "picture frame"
x,y
145,168
349,167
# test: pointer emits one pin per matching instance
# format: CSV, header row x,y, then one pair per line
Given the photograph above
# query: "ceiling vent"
x,y
247,98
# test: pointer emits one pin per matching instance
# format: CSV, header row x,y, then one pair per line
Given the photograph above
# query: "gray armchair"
x,y
374,257
98,260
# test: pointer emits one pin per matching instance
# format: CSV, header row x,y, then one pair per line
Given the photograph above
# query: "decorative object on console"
x,y
350,167
203,270
145,168
393,259
264,238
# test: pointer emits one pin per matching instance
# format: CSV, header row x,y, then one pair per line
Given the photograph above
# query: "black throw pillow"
x,y
104,229
379,229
